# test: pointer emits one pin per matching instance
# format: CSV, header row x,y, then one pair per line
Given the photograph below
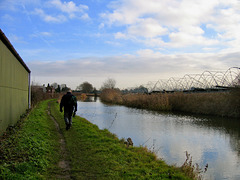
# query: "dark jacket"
x,y
69,102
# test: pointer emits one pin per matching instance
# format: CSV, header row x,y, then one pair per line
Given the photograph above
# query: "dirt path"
x,y
64,163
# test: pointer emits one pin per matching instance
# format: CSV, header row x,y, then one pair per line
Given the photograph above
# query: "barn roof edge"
x,y
7,43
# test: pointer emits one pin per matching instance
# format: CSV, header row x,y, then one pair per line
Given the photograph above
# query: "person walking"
x,y
69,102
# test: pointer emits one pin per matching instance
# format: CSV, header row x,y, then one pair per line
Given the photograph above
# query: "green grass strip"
x,y
31,152
98,154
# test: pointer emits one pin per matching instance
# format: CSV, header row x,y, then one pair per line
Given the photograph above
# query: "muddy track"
x,y
64,163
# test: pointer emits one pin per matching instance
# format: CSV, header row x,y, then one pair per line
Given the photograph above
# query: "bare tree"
x,y
109,84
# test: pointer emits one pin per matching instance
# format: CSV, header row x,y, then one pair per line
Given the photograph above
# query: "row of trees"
x,y
86,87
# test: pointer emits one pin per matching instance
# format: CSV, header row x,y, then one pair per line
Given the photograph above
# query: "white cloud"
x,y
41,34
148,53
66,10
49,18
57,11
183,21
113,43
70,8
120,35
14,5
101,26
145,66
147,28
16,39
7,17
46,33
182,39
209,49
85,17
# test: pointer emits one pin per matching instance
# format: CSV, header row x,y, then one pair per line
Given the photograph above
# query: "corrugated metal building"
x,y
14,84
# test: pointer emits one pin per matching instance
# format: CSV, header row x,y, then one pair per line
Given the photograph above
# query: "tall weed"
x,y
193,170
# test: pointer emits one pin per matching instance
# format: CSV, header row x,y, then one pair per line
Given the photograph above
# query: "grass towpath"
x,y
83,152
31,149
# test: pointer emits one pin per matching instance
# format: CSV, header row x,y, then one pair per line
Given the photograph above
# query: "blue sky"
x,y
132,41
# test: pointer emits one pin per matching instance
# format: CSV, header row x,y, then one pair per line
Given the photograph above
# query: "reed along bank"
x,y
225,104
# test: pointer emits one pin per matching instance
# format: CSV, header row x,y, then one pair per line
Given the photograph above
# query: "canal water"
x,y
212,141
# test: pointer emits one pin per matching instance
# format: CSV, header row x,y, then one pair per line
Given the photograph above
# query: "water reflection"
x,y
215,141
90,99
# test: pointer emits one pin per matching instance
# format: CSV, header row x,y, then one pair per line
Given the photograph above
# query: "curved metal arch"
x,y
150,86
232,76
188,80
207,77
172,84
205,80
160,85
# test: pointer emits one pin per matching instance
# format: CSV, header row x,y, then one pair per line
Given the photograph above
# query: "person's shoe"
x,y
67,126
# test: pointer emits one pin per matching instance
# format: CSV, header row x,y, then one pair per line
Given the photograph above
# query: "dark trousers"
x,y
68,117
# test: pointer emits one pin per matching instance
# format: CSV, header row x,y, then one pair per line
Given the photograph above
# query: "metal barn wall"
x,y
14,88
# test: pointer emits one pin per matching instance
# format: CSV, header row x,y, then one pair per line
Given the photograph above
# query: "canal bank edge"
x,y
92,153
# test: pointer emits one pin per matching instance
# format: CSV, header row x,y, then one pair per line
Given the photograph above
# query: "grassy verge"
x,y
98,154
31,150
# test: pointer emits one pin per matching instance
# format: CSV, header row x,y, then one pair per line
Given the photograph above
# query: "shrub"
x,y
111,96
37,95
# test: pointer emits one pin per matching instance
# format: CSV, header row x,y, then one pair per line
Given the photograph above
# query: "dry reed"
x,y
219,103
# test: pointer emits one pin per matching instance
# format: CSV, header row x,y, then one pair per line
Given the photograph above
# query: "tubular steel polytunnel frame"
x,y
208,80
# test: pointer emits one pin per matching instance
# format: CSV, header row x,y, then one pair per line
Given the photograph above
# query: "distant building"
x,y
14,84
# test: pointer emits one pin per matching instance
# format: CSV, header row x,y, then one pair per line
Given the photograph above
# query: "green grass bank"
x,y
33,151
30,150
225,104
